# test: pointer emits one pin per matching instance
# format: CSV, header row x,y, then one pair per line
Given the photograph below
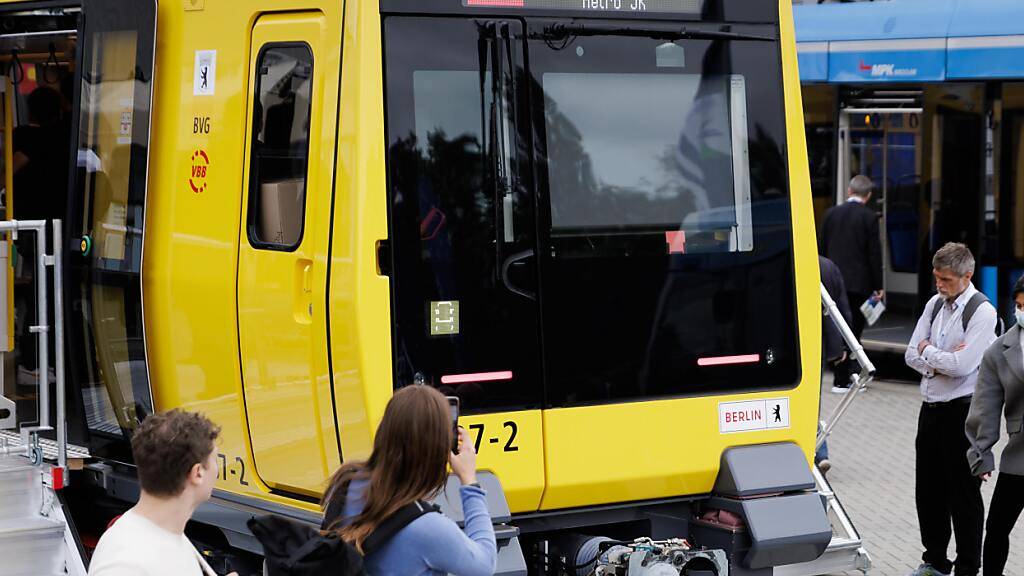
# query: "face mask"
x,y
1019,315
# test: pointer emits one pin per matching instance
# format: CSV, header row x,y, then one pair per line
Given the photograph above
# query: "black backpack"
x,y
295,549
972,305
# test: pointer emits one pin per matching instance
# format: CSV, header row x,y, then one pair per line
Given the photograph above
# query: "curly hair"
x,y
166,446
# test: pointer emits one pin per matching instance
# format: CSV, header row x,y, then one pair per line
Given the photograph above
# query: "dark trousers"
x,y
1006,506
842,371
946,489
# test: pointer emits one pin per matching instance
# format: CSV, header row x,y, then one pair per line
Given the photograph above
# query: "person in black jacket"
x,y
833,348
849,237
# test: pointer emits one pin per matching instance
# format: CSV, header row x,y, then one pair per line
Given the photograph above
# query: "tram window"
x,y
667,258
280,146
657,152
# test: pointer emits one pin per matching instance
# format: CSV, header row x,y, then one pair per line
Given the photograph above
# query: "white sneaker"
x,y
927,570
840,389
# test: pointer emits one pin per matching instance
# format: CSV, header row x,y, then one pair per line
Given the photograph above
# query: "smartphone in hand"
x,y
453,409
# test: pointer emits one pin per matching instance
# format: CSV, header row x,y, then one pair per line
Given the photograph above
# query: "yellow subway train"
x,y
590,220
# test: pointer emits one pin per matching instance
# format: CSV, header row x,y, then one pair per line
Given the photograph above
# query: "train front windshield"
x,y
595,210
634,152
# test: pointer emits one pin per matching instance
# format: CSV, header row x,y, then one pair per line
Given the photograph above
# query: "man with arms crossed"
x,y
177,467
948,357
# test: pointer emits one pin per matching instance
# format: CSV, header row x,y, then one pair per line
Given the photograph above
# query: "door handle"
x,y
507,265
303,298
307,276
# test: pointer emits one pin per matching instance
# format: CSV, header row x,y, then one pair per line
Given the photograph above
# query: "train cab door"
x,y
282,274
462,233
108,149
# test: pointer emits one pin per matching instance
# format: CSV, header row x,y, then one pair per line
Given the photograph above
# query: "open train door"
x,y
282,262
93,64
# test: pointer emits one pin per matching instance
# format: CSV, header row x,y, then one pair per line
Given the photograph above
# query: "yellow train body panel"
x,y
284,429
192,245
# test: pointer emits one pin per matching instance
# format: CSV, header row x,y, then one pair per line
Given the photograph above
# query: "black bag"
x,y
295,549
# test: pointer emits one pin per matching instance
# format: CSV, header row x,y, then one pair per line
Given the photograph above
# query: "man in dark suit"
x,y
849,237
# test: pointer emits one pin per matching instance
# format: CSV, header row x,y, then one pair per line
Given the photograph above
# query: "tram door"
x,y
462,233
885,147
282,259
957,196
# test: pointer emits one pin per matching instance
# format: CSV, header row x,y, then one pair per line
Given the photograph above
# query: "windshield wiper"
x,y
501,118
560,30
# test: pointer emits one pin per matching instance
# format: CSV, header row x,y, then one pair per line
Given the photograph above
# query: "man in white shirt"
x,y
957,326
177,468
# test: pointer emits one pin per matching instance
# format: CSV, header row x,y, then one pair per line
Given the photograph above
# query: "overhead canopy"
x,y
910,40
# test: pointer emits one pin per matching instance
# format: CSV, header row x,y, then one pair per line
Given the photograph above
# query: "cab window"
x,y
280,146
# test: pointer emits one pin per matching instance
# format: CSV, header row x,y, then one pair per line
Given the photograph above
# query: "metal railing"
x,y
42,330
860,381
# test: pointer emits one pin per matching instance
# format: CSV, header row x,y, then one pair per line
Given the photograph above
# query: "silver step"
x,y
35,539
845,553
32,546
14,442
21,492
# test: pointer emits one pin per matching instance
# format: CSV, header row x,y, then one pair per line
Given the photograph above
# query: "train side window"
x,y
279,155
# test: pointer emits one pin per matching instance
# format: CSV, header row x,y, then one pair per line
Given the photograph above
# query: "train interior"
x,y
37,58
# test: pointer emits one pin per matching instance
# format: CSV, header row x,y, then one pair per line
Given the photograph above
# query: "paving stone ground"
x,y
872,453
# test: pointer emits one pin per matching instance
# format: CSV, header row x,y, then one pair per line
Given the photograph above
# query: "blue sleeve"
x,y
472,552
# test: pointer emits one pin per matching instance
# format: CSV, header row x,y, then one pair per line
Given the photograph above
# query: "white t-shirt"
x,y
134,546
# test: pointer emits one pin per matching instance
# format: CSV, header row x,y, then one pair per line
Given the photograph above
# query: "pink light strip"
x,y
505,3
477,377
724,360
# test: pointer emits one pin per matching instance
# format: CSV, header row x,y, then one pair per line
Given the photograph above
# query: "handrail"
x,y
42,330
58,345
867,371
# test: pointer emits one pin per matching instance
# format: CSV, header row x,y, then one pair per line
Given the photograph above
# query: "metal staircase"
x,y
846,551
36,538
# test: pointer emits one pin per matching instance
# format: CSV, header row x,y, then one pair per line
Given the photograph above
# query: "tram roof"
x,y
910,40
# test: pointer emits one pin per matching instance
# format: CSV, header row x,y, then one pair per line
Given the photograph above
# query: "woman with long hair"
x,y
408,464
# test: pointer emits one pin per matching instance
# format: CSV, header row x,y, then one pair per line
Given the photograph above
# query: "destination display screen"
x,y
665,6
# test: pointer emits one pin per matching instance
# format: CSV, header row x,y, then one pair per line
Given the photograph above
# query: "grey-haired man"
x,y
957,326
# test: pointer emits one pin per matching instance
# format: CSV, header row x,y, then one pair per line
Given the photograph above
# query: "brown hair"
x,y
166,447
408,462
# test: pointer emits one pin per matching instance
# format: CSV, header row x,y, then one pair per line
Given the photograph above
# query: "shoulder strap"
x,y
972,305
394,523
333,512
203,565
935,310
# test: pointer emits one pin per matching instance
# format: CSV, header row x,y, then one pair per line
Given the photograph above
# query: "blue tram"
x,y
926,97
